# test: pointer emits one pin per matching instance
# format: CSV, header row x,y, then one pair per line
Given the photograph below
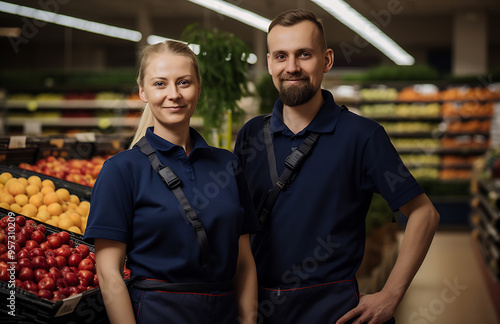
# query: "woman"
x,y
185,243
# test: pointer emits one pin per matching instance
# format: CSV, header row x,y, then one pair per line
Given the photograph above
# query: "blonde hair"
x,y
170,47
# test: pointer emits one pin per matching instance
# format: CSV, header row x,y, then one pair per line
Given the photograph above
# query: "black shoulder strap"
x,y
293,162
174,183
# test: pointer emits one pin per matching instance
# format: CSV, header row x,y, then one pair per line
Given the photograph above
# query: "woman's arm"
x,y
245,282
110,258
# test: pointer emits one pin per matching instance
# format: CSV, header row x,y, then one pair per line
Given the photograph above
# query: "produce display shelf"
x,y
86,307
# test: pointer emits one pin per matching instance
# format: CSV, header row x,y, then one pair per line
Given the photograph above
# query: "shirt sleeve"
x,y
111,205
384,172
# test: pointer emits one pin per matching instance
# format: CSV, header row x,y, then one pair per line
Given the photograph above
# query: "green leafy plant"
x,y
223,67
267,93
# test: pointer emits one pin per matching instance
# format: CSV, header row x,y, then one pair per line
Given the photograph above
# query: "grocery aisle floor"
x,y
450,286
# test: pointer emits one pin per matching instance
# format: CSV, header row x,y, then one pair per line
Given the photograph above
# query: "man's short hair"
x,y
295,16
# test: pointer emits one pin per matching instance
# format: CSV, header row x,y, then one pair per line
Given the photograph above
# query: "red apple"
x,y
51,262
44,293
38,236
61,261
30,285
64,251
20,239
74,260
64,237
47,283
41,228
71,278
40,274
55,272
86,277
31,244
57,295
25,263
83,250
26,274
20,220
36,252
54,241
3,249
86,264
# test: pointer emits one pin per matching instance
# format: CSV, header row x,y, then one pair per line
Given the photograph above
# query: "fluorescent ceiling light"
x,y
366,29
235,12
72,22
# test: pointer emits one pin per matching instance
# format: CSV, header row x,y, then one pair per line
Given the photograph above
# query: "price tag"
x,y
85,137
33,127
69,305
17,142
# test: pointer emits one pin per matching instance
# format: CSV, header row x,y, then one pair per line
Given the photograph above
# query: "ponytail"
x,y
145,122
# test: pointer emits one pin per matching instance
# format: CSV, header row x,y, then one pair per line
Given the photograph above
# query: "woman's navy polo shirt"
x,y
316,232
131,204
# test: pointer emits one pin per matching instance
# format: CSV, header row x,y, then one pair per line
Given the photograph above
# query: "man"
x,y
313,237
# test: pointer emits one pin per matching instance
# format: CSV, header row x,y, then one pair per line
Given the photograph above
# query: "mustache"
x,y
298,76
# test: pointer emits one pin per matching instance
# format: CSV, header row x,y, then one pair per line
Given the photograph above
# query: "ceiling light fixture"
x,y
235,12
366,29
72,22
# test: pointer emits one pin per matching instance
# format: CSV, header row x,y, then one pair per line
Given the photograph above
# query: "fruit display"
x,y
416,144
468,109
379,93
41,200
47,263
419,92
420,159
409,127
83,172
471,126
425,173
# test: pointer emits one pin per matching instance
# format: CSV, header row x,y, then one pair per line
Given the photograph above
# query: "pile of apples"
x,y
46,264
83,172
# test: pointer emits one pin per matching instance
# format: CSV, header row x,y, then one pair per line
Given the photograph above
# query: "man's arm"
x,y
423,220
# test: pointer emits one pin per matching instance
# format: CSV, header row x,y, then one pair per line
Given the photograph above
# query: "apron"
x,y
308,304
155,301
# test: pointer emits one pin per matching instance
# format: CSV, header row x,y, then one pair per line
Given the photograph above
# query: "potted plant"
x,y
223,66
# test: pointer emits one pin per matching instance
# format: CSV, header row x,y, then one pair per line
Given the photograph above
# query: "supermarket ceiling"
x,y
424,28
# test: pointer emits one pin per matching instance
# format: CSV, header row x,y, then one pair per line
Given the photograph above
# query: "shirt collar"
x,y
161,144
324,121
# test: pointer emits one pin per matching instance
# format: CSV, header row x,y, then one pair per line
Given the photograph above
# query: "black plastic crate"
x,y
86,307
15,150
83,192
65,147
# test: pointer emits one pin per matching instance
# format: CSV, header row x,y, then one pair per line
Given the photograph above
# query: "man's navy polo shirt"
x,y
131,204
316,232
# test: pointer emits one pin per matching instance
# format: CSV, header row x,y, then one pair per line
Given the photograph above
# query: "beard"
x,y
296,95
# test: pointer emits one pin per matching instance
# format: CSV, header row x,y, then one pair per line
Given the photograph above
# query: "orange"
x,y
51,222
4,177
42,207
51,198
15,187
54,209
32,190
63,193
82,211
16,208
23,181
75,218
55,219
35,180
74,199
43,216
65,223
21,200
85,205
8,198
4,205
48,183
75,229
46,190
36,200
29,210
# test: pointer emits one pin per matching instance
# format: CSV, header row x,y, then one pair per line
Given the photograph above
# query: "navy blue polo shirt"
x,y
131,204
316,232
